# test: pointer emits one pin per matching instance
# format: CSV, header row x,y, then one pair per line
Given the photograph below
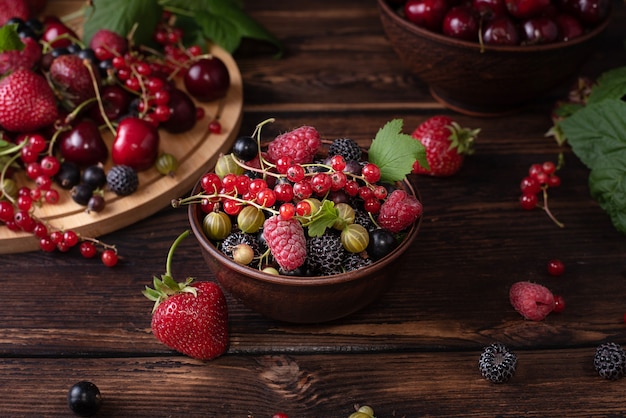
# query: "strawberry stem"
x,y
170,254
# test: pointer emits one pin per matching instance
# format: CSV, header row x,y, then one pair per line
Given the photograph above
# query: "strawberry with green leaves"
x,y
446,143
189,318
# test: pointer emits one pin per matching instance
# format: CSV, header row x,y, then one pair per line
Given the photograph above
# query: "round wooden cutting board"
x,y
196,150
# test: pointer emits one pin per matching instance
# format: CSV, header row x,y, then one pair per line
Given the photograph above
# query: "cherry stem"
x,y
546,209
170,254
99,97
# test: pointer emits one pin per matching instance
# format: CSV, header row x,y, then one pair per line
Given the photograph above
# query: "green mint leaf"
x,y
324,218
221,21
9,39
121,16
395,152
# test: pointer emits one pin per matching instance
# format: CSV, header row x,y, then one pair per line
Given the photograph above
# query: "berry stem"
x,y
99,97
547,210
170,254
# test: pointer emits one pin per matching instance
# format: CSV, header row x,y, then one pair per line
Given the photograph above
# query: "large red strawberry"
x,y
194,321
72,80
189,318
446,144
27,102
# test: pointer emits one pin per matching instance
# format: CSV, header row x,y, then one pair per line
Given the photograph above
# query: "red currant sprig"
x,y
540,178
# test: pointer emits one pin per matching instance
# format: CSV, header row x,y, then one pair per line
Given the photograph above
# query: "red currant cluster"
x,y
539,179
17,204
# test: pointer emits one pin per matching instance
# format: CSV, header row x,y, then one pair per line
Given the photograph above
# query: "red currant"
x,y
548,167
528,201
284,192
530,185
211,183
295,173
256,186
371,205
371,173
337,162
302,189
321,183
6,211
559,303
303,208
70,238
232,207
215,127
287,210
88,249
556,267
266,197
47,245
109,257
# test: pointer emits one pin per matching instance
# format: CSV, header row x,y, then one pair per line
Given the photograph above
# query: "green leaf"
x,y
395,152
610,85
324,218
9,39
608,188
121,16
221,21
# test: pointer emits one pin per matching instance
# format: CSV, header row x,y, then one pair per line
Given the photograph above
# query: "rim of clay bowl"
x,y
308,281
411,27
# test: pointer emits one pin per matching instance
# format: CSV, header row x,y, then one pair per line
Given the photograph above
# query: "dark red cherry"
x,y
207,79
427,14
539,30
83,144
136,143
592,12
569,27
183,112
115,100
501,31
524,9
489,9
461,22
53,30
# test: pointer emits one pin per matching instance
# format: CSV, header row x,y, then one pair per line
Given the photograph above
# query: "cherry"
x,y
182,112
83,144
539,30
207,79
428,14
57,34
569,27
489,9
501,31
592,12
115,101
136,144
461,22
523,9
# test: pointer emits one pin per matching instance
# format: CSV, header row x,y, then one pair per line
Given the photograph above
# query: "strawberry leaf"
x,y
121,16
9,39
395,152
324,218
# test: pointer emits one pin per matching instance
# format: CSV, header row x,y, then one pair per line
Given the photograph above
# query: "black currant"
x,y
81,193
245,148
84,399
382,242
68,175
94,176
96,203
87,54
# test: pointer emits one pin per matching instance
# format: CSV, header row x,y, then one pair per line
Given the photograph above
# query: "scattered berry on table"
x,y
610,361
556,267
559,304
531,300
84,399
539,179
497,364
122,180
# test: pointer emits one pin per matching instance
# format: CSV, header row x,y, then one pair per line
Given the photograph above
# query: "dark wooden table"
x,y
415,351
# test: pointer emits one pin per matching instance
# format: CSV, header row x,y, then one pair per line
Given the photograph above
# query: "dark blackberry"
x,y
122,180
362,218
325,254
497,363
236,238
355,262
347,148
610,361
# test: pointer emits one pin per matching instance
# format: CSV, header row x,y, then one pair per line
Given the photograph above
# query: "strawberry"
x,y
26,58
27,102
189,318
446,144
73,80
13,8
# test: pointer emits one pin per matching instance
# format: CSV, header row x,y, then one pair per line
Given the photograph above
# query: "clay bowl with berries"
x,y
491,57
323,277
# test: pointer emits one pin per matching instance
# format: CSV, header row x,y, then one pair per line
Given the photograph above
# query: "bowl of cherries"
x,y
303,230
489,57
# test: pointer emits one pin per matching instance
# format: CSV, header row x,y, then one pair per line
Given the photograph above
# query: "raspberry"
x,y
122,180
531,300
345,147
399,211
285,239
610,361
326,254
497,363
301,144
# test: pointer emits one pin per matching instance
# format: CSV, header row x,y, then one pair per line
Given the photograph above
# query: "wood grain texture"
x,y
414,352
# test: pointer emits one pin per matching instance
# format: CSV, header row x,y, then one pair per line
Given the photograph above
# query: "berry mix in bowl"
x,y
489,57
304,230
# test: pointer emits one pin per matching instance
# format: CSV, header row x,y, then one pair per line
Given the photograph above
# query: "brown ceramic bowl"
x,y
301,299
484,81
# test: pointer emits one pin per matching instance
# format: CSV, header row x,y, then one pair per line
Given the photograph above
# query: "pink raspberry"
x,y
533,301
399,211
26,58
285,239
301,144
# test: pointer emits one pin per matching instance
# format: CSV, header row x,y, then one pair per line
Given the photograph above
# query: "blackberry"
x,y
355,262
497,363
363,218
325,254
122,180
345,147
610,361
236,238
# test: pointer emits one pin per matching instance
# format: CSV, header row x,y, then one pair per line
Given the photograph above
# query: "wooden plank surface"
x,y
414,352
